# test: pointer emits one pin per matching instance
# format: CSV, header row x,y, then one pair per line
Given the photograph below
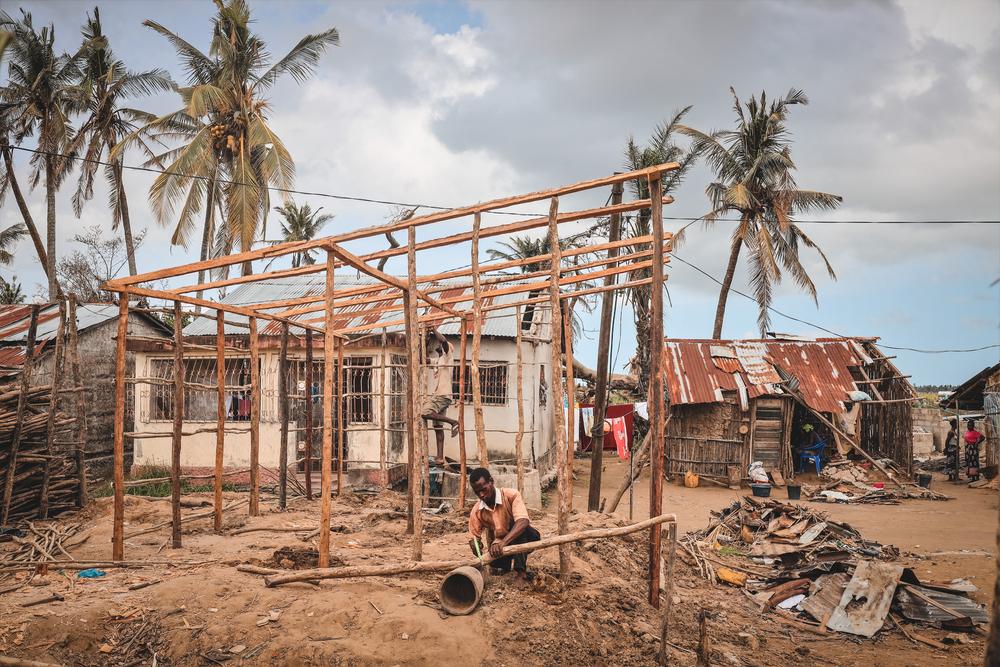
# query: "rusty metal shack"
x,y
737,401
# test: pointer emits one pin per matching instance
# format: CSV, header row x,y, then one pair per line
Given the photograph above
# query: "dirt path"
x,y
212,614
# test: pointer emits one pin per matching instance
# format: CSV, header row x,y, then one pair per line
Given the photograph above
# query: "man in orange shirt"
x,y
502,518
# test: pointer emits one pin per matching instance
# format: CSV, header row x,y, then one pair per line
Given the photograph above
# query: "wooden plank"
x,y
19,416
309,413
254,418
379,230
603,359
413,395
283,418
327,481
220,414
477,338
176,436
656,403
81,405
118,520
462,364
564,473
50,422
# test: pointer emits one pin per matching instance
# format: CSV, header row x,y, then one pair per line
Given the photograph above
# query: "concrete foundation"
x,y
503,476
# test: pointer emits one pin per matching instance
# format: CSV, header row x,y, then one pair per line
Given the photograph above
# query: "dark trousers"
x,y
520,561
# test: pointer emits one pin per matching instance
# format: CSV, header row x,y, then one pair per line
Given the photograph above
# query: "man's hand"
x,y
496,549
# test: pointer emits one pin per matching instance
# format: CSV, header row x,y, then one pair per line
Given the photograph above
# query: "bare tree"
x,y
83,271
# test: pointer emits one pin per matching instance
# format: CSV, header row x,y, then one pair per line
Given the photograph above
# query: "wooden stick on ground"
x,y
445,566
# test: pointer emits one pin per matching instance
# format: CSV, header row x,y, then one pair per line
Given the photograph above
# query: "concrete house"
x,y
96,324
731,404
372,420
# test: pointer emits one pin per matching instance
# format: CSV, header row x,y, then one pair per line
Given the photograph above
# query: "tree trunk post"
x,y
656,406
477,335
341,420
175,441
383,474
727,282
254,418
328,360
50,423
220,414
570,395
463,342
564,472
118,529
50,228
22,405
309,414
413,393
603,362
283,418
81,405
519,438
664,656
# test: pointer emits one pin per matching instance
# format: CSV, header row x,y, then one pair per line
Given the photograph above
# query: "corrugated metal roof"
x,y
697,369
499,323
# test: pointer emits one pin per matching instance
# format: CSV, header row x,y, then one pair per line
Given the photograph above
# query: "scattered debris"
x,y
849,481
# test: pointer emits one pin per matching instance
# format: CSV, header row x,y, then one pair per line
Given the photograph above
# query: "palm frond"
x,y
301,61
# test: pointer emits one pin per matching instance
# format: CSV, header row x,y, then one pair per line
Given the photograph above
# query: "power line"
x,y
816,326
389,202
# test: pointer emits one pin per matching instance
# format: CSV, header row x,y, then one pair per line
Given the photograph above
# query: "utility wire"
x,y
389,202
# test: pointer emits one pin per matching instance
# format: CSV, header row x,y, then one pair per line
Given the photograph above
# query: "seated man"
x,y
503,517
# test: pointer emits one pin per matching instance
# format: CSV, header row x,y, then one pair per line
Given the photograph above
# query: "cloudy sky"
x,y
451,103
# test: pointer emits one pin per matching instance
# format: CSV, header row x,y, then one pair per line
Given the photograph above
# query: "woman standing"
x,y
972,440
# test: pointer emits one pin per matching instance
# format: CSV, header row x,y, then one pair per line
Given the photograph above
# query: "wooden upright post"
x,y
81,405
341,422
656,406
118,523
50,425
22,405
283,418
383,409
254,418
175,442
309,414
564,479
603,361
477,335
412,393
519,438
328,359
570,395
462,364
220,413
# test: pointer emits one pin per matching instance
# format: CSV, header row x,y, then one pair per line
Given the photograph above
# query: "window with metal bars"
x,y
200,404
358,390
492,382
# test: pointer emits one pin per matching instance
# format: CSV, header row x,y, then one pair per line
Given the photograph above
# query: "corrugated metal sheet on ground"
x,y
499,323
697,368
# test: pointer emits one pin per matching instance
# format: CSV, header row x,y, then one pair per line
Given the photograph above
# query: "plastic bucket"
x,y
761,490
460,591
794,491
924,479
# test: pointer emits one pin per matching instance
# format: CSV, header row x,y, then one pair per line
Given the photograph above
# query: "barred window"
x,y
492,382
200,404
358,389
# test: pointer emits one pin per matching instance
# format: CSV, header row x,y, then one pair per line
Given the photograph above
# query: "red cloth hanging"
x,y
620,433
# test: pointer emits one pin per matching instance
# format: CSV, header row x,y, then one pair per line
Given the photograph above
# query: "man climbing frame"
x,y
498,520
437,389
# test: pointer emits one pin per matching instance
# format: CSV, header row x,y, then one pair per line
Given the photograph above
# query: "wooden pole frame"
x,y
462,367
283,418
383,473
327,482
22,403
220,415
413,396
178,430
254,418
118,519
656,402
50,422
519,361
570,394
341,417
81,405
477,338
309,414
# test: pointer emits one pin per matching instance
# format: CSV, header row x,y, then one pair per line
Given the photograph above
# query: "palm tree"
x,y
226,140
660,148
108,83
11,293
753,165
43,92
301,223
8,238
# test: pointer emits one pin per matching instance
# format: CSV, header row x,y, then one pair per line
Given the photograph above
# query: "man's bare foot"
x,y
454,430
439,460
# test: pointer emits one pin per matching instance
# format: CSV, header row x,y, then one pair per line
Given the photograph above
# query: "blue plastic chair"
x,y
812,455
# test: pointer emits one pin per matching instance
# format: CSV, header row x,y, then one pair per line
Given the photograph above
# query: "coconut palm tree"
x,y
8,239
301,223
41,94
661,148
108,83
224,132
753,167
11,293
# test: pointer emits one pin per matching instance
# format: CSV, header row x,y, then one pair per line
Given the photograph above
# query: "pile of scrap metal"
x,y
848,481
822,575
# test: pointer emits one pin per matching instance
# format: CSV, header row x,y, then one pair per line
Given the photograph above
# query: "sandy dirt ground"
x,y
209,613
